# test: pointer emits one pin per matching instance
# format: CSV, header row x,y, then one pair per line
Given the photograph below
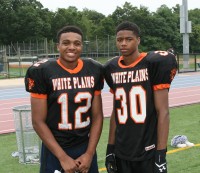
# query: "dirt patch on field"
x,y
19,66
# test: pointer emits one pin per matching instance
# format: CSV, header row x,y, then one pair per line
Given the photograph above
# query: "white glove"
x,y
56,171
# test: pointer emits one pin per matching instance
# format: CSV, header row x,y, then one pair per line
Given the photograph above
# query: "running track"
x,y
185,89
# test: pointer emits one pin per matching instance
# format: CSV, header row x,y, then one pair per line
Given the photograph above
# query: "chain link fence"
x,y
188,63
17,57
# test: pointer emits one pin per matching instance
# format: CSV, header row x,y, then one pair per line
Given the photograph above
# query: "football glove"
x,y
110,159
160,161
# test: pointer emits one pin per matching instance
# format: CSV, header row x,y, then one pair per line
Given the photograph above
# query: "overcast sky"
x,y
107,7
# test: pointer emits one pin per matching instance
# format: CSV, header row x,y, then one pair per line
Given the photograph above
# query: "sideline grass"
x,y
184,120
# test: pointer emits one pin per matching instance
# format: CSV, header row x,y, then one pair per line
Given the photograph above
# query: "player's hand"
x,y
160,162
84,162
68,164
110,159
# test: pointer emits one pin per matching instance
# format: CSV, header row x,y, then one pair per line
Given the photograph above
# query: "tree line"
x,y
25,20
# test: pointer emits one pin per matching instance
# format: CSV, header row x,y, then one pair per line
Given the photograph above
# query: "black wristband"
x,y
110,149
160,156
161,152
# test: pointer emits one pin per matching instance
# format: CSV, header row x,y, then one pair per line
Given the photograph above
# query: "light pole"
x,y
185,29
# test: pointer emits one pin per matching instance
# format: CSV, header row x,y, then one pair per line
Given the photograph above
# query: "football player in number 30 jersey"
x,y
139,122
66,106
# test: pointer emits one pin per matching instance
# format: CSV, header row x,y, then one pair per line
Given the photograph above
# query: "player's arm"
x,y
95,132
162,108
162,69
110,156
39,113
111,138
110,161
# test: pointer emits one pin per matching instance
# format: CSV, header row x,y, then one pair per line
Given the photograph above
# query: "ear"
x,y
57,45
138,40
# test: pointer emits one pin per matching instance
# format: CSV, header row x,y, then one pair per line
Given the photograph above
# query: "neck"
x,y
69,65
131,58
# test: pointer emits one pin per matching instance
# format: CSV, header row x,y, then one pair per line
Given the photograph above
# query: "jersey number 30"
x,y
137,100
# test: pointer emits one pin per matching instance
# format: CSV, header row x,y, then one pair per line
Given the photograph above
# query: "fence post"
x,y
178,63
19,55
5,61
46,47
195,62
108,47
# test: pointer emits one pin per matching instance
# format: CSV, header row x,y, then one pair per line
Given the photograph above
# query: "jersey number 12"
x,y
78,123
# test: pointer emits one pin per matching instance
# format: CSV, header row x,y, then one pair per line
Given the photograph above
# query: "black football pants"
x,y
124,166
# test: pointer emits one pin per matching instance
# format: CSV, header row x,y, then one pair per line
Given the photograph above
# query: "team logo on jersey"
x,y
31,83
162,167
173,73
149,147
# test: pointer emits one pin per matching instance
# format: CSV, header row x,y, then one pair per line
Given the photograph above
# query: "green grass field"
x,y
184,121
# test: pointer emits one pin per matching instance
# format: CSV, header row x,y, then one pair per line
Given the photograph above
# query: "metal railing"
x,y
16,58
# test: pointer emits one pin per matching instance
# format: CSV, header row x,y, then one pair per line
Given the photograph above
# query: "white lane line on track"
x,y
14,102
183,96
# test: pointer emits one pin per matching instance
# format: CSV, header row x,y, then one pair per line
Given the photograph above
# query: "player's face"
x,y
70,48
127,42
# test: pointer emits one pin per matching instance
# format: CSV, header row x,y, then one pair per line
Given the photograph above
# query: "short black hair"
x,y
126,25
69,28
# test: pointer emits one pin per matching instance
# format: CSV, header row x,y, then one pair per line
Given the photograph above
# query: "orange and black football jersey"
x,y
133,87
69,95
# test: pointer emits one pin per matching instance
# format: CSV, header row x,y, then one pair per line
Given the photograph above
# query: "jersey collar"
x,y
75,70
139,58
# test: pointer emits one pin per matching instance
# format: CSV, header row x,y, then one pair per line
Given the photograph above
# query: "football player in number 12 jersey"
x,y
66,106
139,122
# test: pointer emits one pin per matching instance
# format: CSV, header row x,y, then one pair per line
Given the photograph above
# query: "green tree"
x,y
126,12
166,28
104,28
93,16
194,16
62,17
23,20
6,14
195,39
